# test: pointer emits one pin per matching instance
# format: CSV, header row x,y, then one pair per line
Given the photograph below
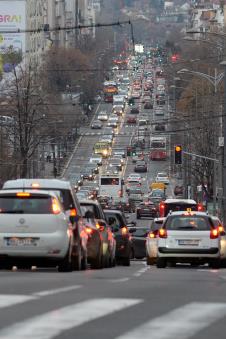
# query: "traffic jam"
x,y
118,201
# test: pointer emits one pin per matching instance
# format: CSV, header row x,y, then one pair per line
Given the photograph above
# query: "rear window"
x,y
188,223
90,211
179,207
26,205
114,220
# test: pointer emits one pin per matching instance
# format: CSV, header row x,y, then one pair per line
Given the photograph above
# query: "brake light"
x,y
214,233
200,207
35,185
162,233
124,230
23,194
161,209
73,212
89,230
152,235
221,229
55,206
99,227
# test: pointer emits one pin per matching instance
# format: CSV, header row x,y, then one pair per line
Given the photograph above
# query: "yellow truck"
x,y
157,185
102,148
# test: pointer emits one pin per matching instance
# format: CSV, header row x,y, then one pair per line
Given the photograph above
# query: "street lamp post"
x,y
214,80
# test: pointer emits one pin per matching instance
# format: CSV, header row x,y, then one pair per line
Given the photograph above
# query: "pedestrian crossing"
x,y
183,322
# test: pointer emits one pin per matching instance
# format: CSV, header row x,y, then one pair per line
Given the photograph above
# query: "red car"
x,y
131,120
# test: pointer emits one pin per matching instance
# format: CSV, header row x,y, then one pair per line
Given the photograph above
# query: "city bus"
x,y
110,89
158,148
111,185
102,148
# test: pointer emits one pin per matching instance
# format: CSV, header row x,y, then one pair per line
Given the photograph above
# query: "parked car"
x,y
116,219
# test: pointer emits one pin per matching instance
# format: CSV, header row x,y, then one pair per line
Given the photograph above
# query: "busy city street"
x,y
112,170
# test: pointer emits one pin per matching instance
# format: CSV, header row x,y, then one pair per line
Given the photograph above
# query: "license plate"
x,y
21,242
192,242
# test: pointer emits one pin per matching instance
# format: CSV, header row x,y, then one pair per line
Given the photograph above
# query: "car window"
x,y
191,223
26,205
90,211
140,232
114,220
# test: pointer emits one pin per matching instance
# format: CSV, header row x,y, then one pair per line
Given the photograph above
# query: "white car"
x,y
152,241
162,177
222,234
188,237
134,177
34,230
102,116
96,160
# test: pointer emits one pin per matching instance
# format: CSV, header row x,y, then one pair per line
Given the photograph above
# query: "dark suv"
x,y
117,220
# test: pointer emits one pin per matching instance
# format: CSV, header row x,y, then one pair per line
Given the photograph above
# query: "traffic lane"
x,y
158,292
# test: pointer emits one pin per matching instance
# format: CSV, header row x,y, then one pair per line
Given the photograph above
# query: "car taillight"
x,y
73,212
221,229
214,233
161,209
55,206
124,230
89,230
23,194
162,233
152,235
99,227
200,207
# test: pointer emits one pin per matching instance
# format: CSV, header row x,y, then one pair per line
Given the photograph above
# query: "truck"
x,y
109,90
158,148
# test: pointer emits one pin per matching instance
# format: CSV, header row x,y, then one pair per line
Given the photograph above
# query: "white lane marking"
x,y
119,280
56,291
53,323
181,323
10,300
141,271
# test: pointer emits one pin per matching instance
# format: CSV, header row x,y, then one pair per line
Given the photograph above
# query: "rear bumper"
x,y
177,252
123,247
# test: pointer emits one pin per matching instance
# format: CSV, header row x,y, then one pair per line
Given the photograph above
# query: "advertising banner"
x,y
12,18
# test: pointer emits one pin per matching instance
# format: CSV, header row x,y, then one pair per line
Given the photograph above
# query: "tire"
x,y
149,261
97,263
107,261
77,261
66,264
161,263
215,264
84,262
126,261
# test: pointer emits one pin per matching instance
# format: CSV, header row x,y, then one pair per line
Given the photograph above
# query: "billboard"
x,y
12,18
139,48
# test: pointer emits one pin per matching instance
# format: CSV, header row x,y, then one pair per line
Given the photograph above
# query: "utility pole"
x,y
223,63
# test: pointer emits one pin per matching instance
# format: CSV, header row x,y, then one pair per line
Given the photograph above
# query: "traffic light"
x,y
178,154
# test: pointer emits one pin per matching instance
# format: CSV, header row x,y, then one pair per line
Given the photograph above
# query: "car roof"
x,y
178,213
43,183
180,201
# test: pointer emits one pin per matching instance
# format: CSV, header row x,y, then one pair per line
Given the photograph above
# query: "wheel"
x,y
215,263
126,261
77,261
107,261
84,262
97,263
149,261
161,263
66,264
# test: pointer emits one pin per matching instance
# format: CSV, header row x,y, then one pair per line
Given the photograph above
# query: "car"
x,y
148,105
119,151
136,198
93,167
102,116
94,210
87,174
139,235
143,122
222,234
104,201
71,206
134,110
147,209
116,219
131,120
96,160
118,110
135,190
141,166
132,185
97,124
160,128
134,177
137,157
35,230
162,177
188,237
112,122
152,241
116,162
157,195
